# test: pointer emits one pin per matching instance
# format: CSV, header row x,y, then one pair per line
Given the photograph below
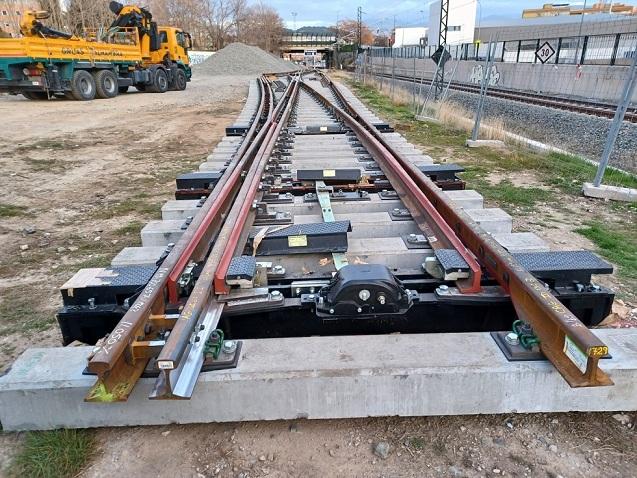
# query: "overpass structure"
x,y
314,46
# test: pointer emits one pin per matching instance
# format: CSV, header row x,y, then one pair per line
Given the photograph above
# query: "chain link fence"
x,y
407,75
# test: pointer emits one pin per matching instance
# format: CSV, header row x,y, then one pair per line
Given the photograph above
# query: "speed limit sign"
x,y
545,52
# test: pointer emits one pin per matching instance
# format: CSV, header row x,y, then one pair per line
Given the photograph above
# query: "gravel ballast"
x,y
240,59
574,132
577,133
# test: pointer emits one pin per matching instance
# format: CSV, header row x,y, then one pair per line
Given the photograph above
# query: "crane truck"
x,y
134,51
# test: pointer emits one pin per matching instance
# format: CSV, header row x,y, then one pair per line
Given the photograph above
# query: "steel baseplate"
x,y
226,360
515,352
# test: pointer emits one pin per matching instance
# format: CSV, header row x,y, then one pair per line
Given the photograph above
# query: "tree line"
x,y
212,23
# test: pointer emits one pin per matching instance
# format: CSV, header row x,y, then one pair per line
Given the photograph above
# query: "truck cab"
x,y
175,44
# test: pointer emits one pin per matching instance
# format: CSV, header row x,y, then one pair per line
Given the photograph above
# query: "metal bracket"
x,y
323,194
388,194
399,214
415,241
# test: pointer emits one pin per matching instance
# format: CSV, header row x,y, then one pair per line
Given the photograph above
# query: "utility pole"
x,y
618,120
336,59
294,14
393,62
360,26
439,79
579,34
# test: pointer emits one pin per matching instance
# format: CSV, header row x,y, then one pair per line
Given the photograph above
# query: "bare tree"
x,y
87,14
54,7
263,27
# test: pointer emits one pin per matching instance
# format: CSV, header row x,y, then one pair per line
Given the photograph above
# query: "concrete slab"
x,y
162,233
173,209
138,256
479,143
428,119
492,220
522,242
324,377
614,193
212,166
466,198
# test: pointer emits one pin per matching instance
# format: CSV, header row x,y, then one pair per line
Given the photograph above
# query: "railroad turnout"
x,y
312,217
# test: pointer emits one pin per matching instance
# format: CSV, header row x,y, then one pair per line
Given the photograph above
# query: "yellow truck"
x,y
133,51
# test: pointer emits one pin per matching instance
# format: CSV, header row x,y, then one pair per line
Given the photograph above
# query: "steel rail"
x,y
438,232
220,285
602,110
115,362
572,348
181,357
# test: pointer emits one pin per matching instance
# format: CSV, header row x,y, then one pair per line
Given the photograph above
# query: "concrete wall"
x,y
603,83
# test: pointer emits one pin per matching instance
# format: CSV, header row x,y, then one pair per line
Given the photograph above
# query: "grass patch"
x,y
54,166
416,443
617,244
139,204
507,193
53,454
91,263
564,172
133,227
50,144
9,210
22,311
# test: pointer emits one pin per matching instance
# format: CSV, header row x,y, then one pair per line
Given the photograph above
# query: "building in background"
x,y
461,24
412,36
11,11
311,46
559,9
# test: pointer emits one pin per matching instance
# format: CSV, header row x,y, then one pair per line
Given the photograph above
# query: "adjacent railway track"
x,y
325,222
594,108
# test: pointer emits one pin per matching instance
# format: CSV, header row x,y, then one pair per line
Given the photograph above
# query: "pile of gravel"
x,y
240,59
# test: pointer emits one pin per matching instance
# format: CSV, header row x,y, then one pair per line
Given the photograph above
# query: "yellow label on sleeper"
x,y
323,129
329,173
297,241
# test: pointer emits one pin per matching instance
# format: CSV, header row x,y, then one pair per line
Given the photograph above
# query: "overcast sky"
x,y
380,13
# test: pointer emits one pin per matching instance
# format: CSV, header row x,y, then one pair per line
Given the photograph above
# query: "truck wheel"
x,y
35,95
83,86
180,80
160,82
106,84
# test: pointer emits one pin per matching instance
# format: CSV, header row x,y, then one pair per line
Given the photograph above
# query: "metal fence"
x,y
614,49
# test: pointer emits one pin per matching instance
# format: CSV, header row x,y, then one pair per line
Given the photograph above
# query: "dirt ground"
x,y
83,178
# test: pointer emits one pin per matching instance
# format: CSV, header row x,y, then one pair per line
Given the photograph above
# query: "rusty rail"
x,y
438,232
556,327
225,217
121,359
180,345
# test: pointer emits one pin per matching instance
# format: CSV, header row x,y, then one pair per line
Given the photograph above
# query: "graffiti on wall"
x,y
198,57
477,73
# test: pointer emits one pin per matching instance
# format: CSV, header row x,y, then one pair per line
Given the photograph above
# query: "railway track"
x,y
312,217
601,109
